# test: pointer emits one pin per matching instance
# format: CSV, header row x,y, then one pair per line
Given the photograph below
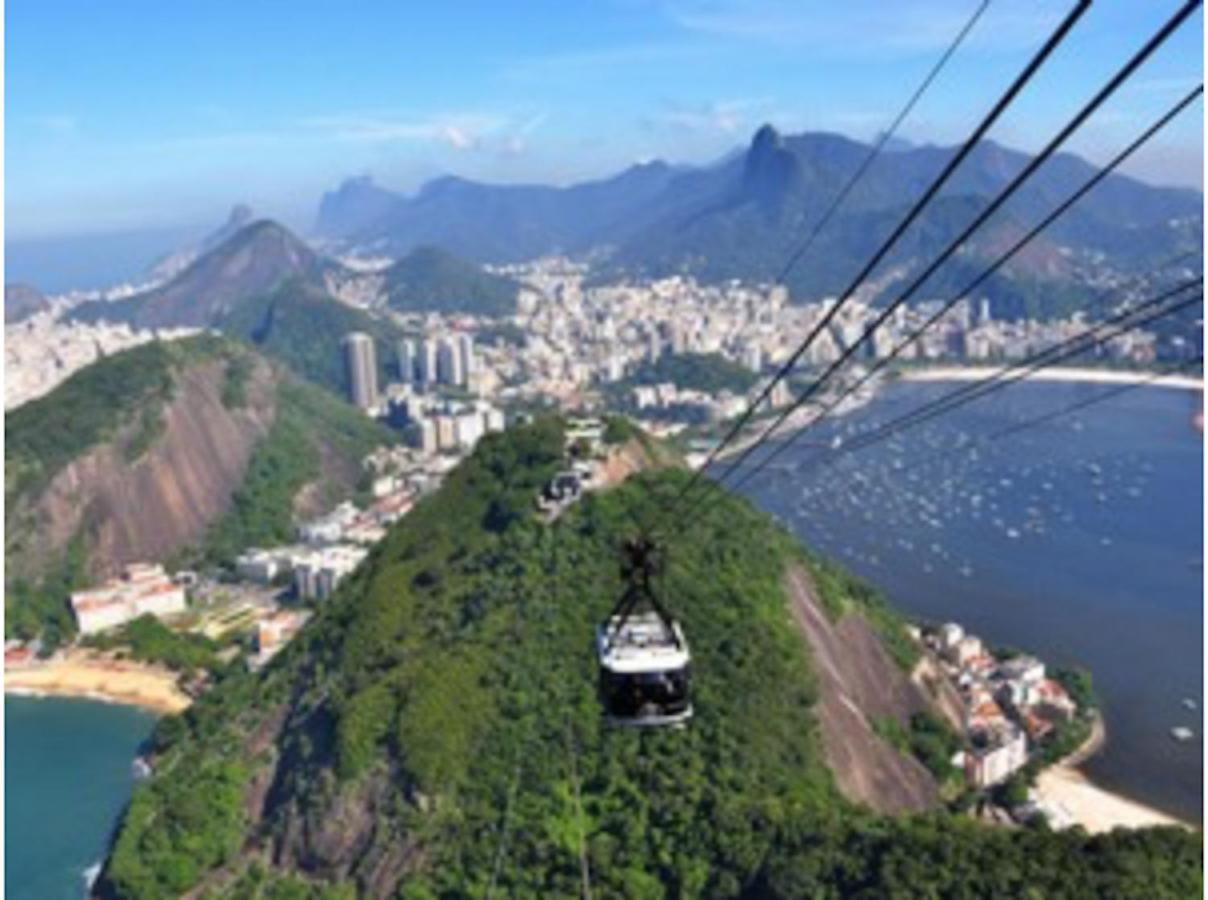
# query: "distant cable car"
x,y
645,666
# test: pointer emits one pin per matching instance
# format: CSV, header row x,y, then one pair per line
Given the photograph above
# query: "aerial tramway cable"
x,y
875,150
1000,106
992,384
933,319
1005,376
1155,41
965,446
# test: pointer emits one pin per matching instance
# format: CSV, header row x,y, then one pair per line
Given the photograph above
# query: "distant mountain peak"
x,y
767,136
771,170
254,260
171,265
240,215
357,204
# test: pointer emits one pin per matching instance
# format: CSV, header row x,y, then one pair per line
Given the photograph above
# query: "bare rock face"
x,y
861,683
165,500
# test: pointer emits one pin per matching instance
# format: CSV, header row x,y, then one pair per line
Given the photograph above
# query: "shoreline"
x,y
1058,374
1085,802
91,676
946,373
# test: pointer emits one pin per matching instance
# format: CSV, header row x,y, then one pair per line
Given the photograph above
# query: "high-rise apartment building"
x,y
361,362
407,359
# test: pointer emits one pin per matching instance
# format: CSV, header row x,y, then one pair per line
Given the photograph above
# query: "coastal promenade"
x,y
81,673
1057,373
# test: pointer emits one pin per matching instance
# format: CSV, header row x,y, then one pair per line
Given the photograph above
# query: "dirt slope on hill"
x,y
149,508
860,683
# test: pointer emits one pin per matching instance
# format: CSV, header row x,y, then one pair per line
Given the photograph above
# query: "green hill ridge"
x,y
429,279
434,732
189,450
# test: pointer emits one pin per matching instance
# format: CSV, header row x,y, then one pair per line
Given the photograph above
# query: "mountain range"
x,y
745,215
265,285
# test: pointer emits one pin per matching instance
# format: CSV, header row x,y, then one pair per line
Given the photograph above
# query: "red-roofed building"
x,y
1052,700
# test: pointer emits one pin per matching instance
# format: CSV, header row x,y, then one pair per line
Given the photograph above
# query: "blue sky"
x,y
146,114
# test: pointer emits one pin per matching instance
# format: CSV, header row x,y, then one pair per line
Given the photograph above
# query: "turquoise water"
x,y
1081,541
67,777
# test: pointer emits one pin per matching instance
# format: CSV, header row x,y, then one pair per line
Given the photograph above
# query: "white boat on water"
x,y
1181,733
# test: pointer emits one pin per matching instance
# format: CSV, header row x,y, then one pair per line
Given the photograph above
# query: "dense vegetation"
x,y
434,733
120,399
617,430
37,607
147,639
92,406
309,423
708,372
430,280
303,326
928,739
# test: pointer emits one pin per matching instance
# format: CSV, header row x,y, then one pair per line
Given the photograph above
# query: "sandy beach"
x,y
1093,376
98,677
1092,807
1084,803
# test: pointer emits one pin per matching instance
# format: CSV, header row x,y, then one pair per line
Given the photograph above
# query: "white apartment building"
x,y
141,589
318,574
1004,753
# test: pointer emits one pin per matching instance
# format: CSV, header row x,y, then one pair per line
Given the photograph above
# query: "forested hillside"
x,y
430,280
302,325
434,732
187,450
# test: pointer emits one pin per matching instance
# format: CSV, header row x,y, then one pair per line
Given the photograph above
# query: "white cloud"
x,y
461,132
724,116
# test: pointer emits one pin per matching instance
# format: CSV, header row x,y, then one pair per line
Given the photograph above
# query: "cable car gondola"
x,y
645,666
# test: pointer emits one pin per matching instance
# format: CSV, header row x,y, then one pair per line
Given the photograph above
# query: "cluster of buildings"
x,y
141,589
653,399
442,424
437,360
42,351
1011,706
439,422
331,546
577,336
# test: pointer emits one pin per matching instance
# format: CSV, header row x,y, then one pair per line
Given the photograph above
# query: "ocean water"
x,y
1080,541
67,777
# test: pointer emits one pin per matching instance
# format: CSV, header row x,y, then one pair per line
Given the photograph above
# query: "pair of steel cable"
x,y
1163,34
946,307
970,143
1164,305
